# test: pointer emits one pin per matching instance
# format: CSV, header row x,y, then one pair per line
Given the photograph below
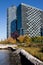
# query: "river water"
x,y
4,57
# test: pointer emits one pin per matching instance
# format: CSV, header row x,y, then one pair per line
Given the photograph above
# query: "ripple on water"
x,y
4,57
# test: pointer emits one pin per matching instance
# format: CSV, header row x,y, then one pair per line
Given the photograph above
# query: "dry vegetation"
x,y
8,41
24,40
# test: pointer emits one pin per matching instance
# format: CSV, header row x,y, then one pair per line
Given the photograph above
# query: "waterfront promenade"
x,y
7,45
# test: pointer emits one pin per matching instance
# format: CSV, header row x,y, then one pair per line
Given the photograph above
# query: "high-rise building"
x,y
11,20
29,20
41,23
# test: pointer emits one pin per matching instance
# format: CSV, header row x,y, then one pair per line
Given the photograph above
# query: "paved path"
x,y
7,45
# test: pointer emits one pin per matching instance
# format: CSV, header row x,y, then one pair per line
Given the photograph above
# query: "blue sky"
x,y
4,4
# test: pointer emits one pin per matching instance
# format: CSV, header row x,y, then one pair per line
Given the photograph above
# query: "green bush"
x,y
38,39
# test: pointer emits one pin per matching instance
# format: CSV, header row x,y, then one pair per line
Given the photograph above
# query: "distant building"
x,y
11,20
25,19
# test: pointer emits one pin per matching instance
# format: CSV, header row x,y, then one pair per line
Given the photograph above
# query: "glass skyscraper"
x,y
27,20
11,20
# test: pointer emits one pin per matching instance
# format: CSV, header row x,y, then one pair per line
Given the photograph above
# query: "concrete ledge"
x,y
31,58
2,46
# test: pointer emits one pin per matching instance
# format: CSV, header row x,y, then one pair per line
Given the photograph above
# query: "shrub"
x,y
20,39
11,40
27,40
38,39
3,42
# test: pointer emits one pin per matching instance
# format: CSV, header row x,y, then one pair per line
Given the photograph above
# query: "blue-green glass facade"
x,y
19,20
13,26
41,32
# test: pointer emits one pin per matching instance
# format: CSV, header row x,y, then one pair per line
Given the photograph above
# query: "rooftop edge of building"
x,y
31,6
25,5
11,6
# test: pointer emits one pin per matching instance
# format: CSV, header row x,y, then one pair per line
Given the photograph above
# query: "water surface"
x,y
4,57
